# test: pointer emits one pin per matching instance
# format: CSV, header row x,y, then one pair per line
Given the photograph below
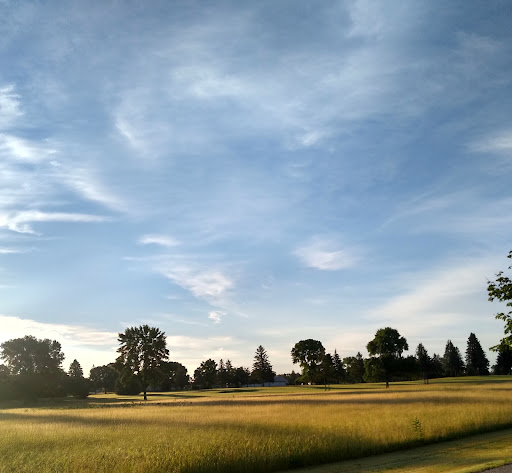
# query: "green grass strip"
x,y
472,454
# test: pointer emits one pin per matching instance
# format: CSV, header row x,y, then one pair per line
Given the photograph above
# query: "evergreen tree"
x,y
504,359
230,373
262,369
476,361
222,374
424,362
339,371
75,370
78,386
452,360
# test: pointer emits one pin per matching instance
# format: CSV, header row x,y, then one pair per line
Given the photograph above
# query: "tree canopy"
x,y
388,346
501,290
29,355
309,354
142,350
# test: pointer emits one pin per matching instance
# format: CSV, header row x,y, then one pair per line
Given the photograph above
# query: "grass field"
x,y
248,430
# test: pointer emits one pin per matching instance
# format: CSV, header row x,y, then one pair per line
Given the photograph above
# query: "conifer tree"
x,y
476,361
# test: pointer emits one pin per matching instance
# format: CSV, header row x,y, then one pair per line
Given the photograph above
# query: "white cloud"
x,y
9,251
161,240
325,254
209,284
19,221
216,316
18,149
72,335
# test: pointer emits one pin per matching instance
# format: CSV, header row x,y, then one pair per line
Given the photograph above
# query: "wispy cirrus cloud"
x,y
19,149
324,253
160,240
20,221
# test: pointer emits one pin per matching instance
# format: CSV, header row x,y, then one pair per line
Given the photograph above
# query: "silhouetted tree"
x,y
77,385
476,361
424,362
354,368
174,375
142,350
339,371
387,345
262,369
104,377
504,360
35,367
205,375
241,376
437,369
452,360
309,354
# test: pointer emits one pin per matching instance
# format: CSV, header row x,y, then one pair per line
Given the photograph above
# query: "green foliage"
x,y
174,375
501,290
142,351
29,355
128,384
477,363
309,354
104,377
205,375
503,360
75,370
388,346
452,360
78,387
262,369
354,368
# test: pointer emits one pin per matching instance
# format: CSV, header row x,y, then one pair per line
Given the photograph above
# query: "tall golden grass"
x,y
246,431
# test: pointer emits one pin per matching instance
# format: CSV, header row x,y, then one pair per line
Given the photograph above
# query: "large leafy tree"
x,y
174,375
452,360
29,355
104,377
476,361
501,290
309,355
388,346
262,371
205,375
142,350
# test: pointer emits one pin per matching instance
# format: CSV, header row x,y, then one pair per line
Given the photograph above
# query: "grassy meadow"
x,y
246,430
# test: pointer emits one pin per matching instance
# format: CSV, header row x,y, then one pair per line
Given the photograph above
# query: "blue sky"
x,y
246,173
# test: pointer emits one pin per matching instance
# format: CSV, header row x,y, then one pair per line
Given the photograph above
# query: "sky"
x,y
253,173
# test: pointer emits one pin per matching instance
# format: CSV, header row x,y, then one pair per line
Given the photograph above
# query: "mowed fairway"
x,y
251,430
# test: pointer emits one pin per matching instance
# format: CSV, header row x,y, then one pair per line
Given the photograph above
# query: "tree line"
x,y
32,367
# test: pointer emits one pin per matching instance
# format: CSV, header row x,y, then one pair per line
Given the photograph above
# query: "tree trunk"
x,y
145,397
